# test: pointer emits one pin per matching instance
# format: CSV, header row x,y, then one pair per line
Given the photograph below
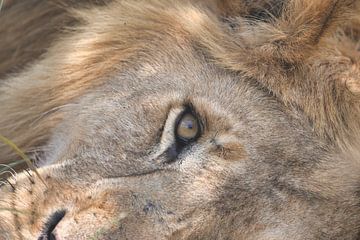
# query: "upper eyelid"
x,y
201,115
189,107
201,119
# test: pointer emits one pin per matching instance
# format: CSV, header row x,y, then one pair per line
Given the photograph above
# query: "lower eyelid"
x,y
171,153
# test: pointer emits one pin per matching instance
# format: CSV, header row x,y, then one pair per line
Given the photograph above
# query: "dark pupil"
x,y
189,124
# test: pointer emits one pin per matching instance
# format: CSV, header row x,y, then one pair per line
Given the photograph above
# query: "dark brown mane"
x,y
29,27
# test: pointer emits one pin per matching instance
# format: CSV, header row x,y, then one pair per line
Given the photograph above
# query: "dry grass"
x,y
8,168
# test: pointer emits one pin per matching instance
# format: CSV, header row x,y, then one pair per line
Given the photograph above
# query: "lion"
x,y
191,119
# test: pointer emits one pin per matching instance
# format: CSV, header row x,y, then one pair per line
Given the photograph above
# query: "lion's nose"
x,y
50,225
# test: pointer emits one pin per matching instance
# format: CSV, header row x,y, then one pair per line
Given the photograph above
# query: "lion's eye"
x,y
187,128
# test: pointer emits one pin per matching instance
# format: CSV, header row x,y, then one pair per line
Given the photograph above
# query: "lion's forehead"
x,y
182,119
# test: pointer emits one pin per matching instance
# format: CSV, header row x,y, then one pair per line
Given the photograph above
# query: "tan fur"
x,y
91,90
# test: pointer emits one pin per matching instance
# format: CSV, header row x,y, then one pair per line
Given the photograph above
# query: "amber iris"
x,y
188,127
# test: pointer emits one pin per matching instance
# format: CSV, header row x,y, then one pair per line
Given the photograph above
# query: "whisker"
x,y
10,172
12,186
15,163
23,156
27,171
50,111
7,167
38,149
2,183
31,178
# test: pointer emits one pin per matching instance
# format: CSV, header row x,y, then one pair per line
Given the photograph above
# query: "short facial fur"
x,y
275,85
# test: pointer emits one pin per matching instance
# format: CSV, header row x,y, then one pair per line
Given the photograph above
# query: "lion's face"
x,y
172,146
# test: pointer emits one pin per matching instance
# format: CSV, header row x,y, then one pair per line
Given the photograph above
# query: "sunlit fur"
x,y
91,90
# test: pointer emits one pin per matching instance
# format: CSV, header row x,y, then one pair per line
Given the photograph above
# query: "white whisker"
x,y
52,110
11,173
7,167
2,183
